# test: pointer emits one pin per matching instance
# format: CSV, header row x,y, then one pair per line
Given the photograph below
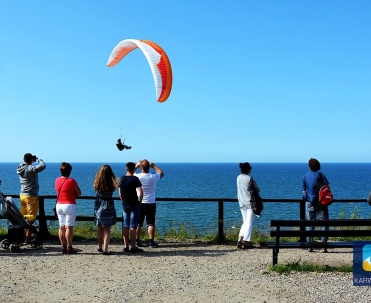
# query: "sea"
x,y
350,181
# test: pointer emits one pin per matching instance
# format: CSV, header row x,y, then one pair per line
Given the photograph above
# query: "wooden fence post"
x,y
302,217
44,232
220,221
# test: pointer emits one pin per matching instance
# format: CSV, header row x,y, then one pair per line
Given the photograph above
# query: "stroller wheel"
x,y
37,244
5,244
14,248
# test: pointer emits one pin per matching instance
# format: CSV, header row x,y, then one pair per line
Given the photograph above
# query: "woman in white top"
x,y
244,191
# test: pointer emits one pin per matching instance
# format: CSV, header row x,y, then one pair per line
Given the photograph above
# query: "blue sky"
x,y
257,81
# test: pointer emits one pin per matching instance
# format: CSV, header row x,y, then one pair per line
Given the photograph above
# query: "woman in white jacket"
x,y
244,191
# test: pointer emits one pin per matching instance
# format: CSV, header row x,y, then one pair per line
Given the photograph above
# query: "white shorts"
x,y
66,214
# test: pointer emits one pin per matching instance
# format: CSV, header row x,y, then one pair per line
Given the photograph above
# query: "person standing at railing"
x,y
29,194
310,195
104,208
1,200
1,194
148,206
131,195
67,190
244,192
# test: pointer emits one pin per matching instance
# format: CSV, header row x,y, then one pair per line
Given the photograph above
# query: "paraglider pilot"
x,y
121,146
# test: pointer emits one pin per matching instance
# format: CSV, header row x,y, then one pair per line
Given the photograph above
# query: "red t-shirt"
x,y
67,191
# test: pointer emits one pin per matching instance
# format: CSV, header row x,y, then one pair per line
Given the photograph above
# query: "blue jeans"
x,y
312,213
130,216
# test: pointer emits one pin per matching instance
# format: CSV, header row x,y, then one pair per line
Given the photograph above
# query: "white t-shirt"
x,y
149,182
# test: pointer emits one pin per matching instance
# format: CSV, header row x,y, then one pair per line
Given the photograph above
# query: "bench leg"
x,y
275,256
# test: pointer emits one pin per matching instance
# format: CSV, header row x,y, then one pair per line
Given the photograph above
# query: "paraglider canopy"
x,y
157,59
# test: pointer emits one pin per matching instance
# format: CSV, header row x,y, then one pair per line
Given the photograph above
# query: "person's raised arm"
x,y
137,165
40,166
157,169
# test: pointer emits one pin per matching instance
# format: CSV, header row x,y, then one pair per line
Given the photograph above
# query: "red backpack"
x,y
324,192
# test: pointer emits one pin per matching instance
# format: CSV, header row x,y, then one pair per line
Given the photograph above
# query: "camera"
x,y
34,158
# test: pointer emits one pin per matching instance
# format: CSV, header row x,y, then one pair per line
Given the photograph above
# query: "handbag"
x,y
256,201
56,201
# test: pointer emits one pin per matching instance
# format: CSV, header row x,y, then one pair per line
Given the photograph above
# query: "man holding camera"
x,y
29,195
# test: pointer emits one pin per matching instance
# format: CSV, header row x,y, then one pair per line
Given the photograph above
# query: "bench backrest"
x,y
331,222
337,228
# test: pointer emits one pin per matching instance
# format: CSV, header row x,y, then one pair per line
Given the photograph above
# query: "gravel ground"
x,y
173,272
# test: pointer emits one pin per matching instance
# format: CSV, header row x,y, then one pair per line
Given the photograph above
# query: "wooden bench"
x,y
342,228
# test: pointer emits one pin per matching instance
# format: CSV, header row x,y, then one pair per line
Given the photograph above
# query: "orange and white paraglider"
x,y
157,59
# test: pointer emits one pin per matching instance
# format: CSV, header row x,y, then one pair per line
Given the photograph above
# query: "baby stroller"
x,y
16,231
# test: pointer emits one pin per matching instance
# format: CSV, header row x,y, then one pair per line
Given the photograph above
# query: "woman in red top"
x,y
67,191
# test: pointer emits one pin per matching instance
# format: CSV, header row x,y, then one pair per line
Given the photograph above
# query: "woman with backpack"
x,y
313,209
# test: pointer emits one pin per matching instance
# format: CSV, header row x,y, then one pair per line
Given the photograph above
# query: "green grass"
x,y
305,267
354,214
258,237
182,231
86,231
185,231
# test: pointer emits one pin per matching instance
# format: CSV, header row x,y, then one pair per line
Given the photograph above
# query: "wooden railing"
x,y
43,218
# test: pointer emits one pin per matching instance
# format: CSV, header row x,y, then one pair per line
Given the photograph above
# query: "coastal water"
x,y
214,180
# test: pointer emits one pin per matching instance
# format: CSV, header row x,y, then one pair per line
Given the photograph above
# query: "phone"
x,y
34,158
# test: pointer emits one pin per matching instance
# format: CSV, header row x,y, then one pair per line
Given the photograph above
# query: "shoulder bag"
x,y
256,201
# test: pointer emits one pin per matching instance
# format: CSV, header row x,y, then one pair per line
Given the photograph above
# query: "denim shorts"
x,y
130,216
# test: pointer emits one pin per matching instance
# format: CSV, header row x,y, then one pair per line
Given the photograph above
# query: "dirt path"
x,y
174,272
